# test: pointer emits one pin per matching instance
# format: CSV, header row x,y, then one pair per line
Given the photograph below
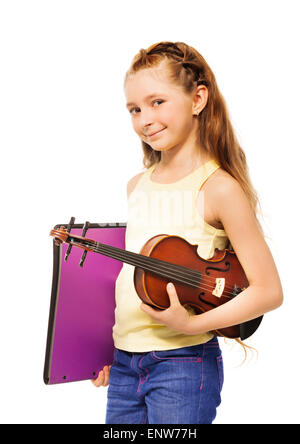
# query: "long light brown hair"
x,y
187,67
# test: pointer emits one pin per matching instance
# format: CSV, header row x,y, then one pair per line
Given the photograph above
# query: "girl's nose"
x,y
146,118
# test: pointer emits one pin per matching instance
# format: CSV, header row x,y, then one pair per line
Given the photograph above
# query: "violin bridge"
x,y
219,288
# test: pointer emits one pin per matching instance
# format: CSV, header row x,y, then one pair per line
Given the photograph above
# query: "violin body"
x,y
223,270
202,284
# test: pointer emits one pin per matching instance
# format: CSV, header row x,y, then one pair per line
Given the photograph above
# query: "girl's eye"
x,y
154,101
131,110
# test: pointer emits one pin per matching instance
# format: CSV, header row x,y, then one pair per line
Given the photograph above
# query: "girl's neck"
x,y
182,161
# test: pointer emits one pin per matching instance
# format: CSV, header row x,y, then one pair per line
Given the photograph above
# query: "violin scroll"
x,y
60,235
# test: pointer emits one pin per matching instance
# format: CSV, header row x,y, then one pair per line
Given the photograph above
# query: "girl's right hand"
x,y
103,377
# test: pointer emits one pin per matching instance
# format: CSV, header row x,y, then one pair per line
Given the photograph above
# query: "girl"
x,y
167,366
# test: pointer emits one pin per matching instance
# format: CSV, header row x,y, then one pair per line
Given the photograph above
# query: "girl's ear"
x,y
200,99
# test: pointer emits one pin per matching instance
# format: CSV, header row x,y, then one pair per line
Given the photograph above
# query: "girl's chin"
x,y
160,148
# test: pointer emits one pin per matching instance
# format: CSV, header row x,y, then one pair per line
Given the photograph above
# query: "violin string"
x,y
202,285
164,267
176,268
210,282
168,273
195,273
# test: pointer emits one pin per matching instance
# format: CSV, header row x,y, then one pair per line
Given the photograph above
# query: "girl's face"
x,y
162,114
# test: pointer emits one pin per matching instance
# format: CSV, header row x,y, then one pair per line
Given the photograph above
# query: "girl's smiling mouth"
x,y
158,132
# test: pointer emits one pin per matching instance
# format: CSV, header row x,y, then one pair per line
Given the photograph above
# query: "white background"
x,y
68,149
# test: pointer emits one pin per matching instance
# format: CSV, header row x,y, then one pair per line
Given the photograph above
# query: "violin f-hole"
x,y
228,268
200,297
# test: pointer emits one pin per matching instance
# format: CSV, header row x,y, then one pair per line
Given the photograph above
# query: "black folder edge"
x,y
55,287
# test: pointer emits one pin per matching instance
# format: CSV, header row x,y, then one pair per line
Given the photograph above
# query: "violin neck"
x,y
122,255
135,259
162,268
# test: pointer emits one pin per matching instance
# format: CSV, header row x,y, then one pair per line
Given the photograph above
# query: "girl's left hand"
x,y
175,317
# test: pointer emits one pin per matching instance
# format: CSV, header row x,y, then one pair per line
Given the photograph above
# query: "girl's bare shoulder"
x,y
218,186
132,183
220,183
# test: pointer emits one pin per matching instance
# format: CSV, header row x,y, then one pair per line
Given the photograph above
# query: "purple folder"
x,y
81,316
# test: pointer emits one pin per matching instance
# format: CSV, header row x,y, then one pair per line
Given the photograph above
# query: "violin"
x,y
202,284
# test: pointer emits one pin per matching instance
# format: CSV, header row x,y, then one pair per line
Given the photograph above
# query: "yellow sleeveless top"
x,y
156,208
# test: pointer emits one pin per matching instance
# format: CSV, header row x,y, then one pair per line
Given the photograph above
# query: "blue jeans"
x,y
180,386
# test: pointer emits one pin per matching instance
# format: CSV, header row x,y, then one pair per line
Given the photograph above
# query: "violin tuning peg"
x,y
69,228
85,228
70,224
68,252
82,258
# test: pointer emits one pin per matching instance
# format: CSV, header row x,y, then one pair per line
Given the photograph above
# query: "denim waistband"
x,y
212,343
